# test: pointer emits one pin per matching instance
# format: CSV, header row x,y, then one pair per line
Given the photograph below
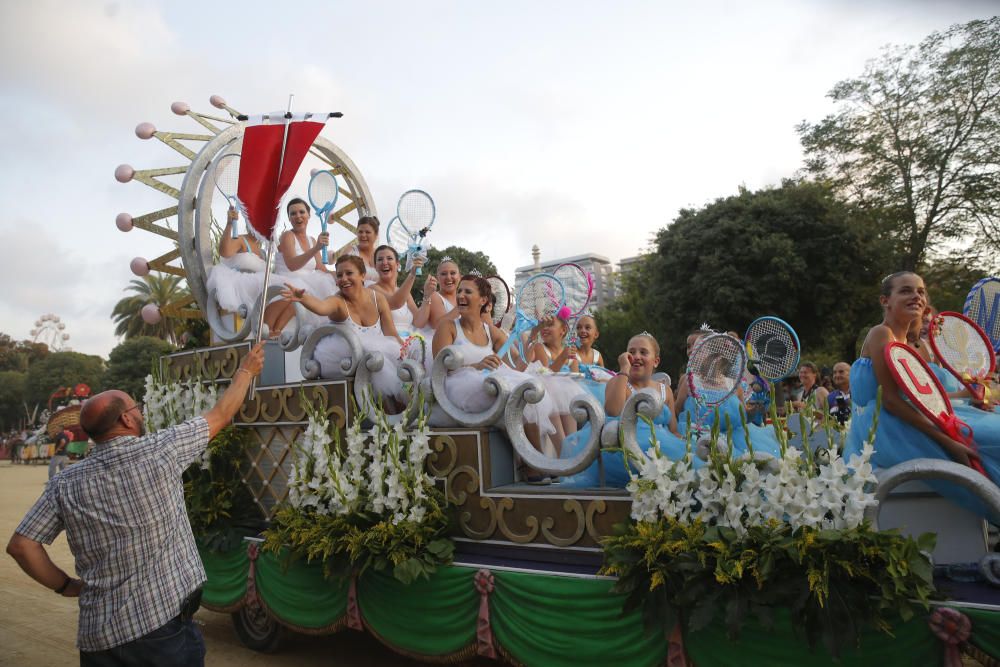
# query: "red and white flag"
x,y
266,172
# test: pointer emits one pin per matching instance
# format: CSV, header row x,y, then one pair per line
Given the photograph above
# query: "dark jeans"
x,y
177,643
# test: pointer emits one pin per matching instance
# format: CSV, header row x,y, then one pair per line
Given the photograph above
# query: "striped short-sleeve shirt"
x,y
123,511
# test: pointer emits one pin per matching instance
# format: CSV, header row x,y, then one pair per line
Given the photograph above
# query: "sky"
x,y
577,126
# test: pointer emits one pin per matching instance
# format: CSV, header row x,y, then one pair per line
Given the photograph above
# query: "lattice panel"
x,y
270,461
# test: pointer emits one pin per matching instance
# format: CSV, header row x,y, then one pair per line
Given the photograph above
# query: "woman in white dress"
x,y
299,259
367,312
407,316
238,278
364,246
479,342
443,300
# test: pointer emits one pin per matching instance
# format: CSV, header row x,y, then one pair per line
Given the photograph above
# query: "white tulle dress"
x,y
237,280
428,332
562,389
465,387
317,283
402,317
332,349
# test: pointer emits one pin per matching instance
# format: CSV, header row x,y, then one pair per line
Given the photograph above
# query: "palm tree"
x,y
156,289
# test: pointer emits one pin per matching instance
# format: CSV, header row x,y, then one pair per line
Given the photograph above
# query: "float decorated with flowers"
x,y
330,505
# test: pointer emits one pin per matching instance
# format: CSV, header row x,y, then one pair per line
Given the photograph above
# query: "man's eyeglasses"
x,y
126,410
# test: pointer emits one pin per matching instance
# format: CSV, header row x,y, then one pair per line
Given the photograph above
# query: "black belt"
x,y
190,605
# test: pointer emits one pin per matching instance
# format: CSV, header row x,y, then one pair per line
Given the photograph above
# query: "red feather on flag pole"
x,y
274,146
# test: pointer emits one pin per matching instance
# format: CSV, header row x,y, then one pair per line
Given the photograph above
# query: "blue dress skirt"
x,y
762,438
896,441
615,474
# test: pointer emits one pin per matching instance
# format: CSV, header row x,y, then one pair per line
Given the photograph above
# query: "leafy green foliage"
x,y
12,399
131,361
220,507
795,251
837,582
913,139
352,543
157,289
61,369
19,355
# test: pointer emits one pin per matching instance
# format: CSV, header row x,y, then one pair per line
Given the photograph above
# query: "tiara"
x,y
646,334
446,258
706,328
474,272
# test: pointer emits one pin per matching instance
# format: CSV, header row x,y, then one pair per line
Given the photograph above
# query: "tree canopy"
x,y
131,361
152,289
914,141
61,369
12,412
794,251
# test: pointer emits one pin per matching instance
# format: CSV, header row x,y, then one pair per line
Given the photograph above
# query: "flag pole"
x,y
274,230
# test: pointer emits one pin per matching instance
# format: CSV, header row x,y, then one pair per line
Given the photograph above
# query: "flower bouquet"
x,y
749,535
366,503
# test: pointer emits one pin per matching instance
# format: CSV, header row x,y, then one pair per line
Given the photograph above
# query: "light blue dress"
x,y
985,425
896,441
615,474
762,438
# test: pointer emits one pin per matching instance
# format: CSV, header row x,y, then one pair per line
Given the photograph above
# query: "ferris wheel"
x,y
51,330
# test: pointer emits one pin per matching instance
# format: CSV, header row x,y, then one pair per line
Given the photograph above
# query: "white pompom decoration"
x,y
217,101
151,313
124,222
139,266
145,130
124,173
180,108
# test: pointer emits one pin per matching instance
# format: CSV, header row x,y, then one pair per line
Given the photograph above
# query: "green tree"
x,y
18,355
61,369
914,139
11,399
467,260
152,289
794,251
131,361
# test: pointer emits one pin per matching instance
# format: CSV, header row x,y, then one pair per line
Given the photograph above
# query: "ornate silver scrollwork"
x,y
583,407
640,403
348,365
946,471
409,371
451,359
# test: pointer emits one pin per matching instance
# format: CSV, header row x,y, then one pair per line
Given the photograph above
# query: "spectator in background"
x,y
60,457
839,400
812,393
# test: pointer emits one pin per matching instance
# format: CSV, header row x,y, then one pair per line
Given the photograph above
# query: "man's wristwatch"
x,y
65,585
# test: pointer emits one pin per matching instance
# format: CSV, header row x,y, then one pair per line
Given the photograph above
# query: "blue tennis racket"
x,y
226,175
323,193
772,348
982,306
416,212
541,297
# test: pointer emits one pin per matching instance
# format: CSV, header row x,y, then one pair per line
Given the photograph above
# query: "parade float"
x,y
319,512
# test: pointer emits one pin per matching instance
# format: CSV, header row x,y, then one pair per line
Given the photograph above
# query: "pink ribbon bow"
x,y
953,628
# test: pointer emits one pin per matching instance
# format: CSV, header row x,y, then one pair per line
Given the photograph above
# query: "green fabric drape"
x,y
552,620
300,596
227,576
985,630
913,644
432,617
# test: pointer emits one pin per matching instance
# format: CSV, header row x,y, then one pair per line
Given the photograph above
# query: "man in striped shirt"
x,y
123,512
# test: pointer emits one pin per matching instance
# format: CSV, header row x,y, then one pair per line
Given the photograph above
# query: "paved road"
x,y
38,627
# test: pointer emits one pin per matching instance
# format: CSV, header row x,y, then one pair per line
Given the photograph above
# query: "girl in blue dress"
x,y
641,361
904,433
